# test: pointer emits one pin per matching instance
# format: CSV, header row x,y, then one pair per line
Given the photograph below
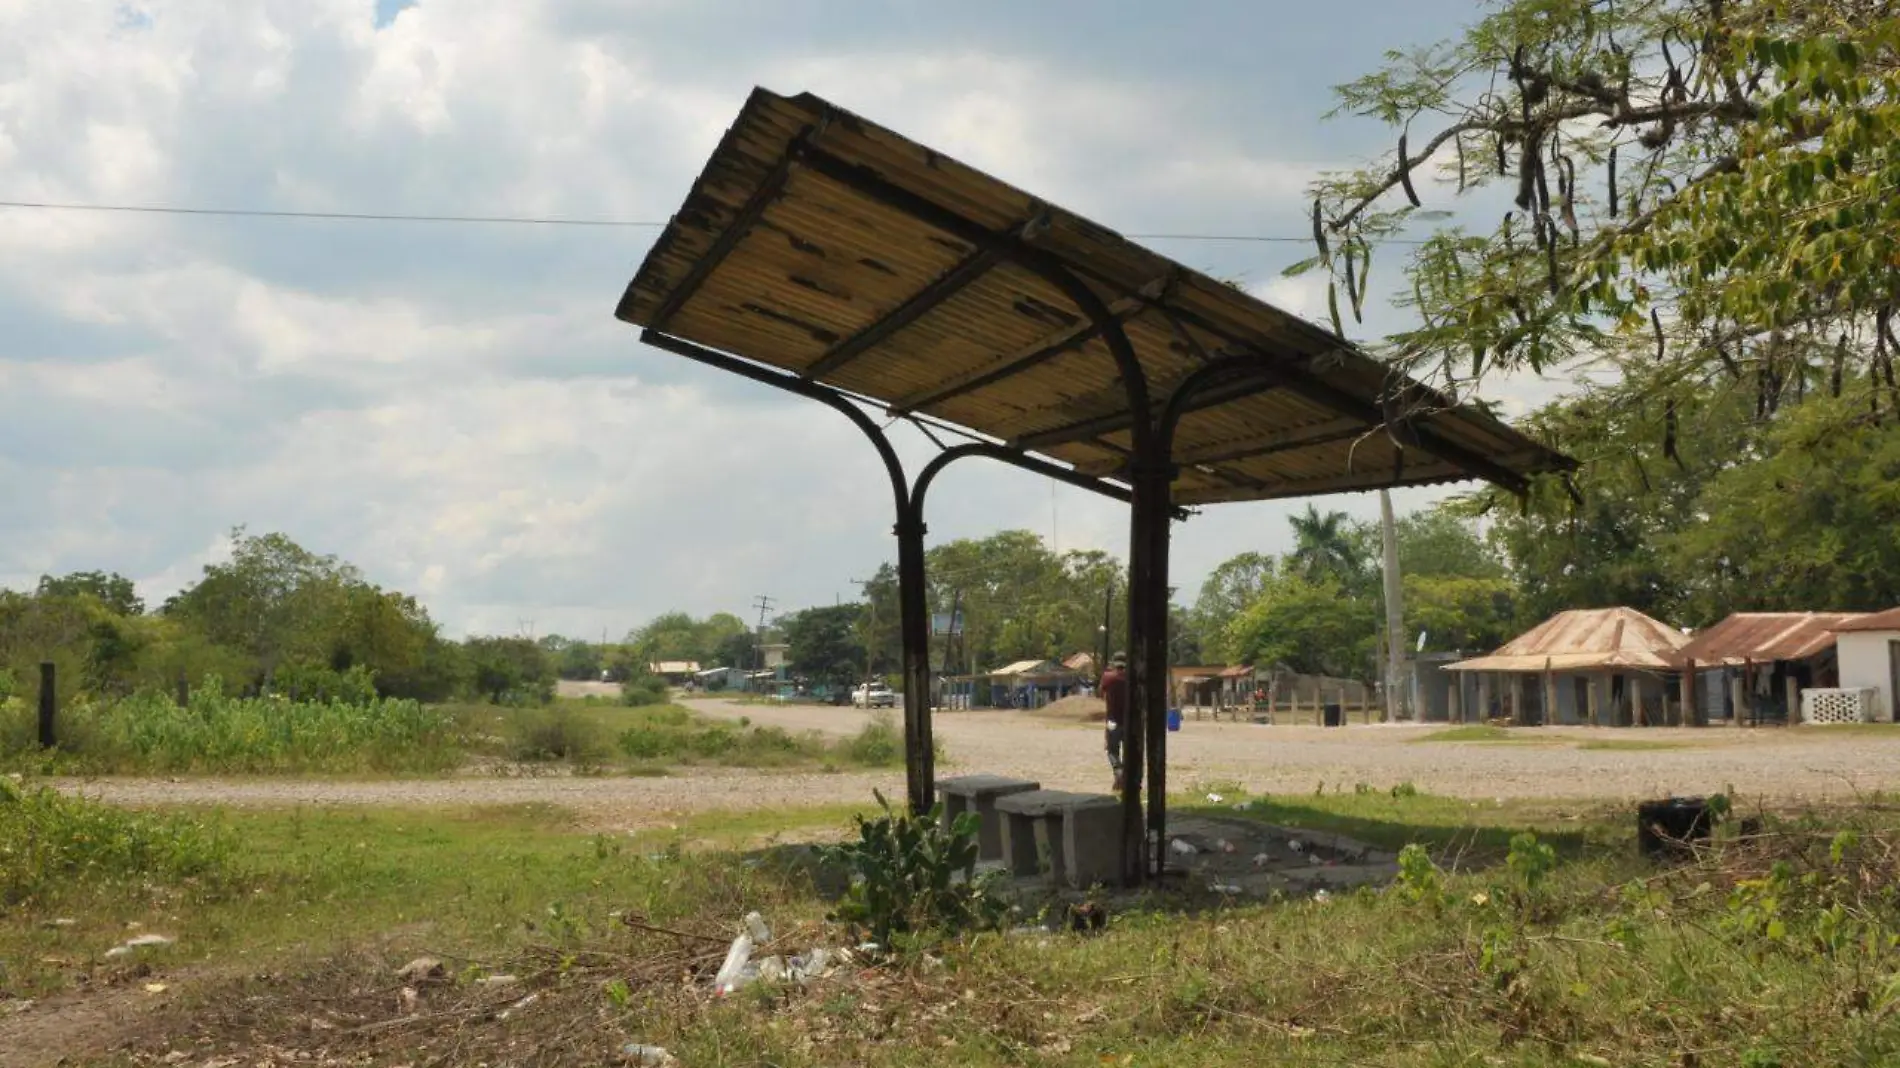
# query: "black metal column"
x,y
913,613
1151,517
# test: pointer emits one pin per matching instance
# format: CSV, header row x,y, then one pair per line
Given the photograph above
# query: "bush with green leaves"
x,y
914,877
557,734
150,732
49,841
644,691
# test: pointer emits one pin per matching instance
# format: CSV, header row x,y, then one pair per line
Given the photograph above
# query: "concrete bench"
x,y
1081,832
978,794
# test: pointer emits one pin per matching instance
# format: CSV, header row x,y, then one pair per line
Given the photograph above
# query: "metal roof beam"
x,y
920,304
1264,380
1040,351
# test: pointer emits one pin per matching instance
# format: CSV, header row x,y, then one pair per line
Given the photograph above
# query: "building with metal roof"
x,y
1586,665
1752,666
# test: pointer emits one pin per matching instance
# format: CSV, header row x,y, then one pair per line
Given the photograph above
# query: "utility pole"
x,y
1395,704
952,631
764,604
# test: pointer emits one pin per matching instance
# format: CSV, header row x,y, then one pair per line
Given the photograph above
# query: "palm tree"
x,y
1323,547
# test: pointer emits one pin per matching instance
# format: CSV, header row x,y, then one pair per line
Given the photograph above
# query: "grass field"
x,y
1566,949
217,734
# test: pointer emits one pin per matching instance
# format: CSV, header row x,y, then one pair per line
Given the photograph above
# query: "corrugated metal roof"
x,y
674,667
1888,620
1586,639
826,246
1764,636
1031,667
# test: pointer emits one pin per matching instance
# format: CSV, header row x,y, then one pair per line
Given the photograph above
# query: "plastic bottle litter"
x,y
1224,888
1183,847
1261,860
1322,897
518,1006
732,973
755,926
635,1053
1215,799
1296,846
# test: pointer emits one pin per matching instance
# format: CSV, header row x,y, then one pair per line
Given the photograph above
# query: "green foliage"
x,y
557,734
510,671
114,591
824,643
50,842
147,733
671,735
878,744
1419,879
914,876
644,690
1530,861
1307,626
322,684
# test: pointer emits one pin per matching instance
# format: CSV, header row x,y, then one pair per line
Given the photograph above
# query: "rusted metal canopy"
x,y
1768,636
1587,639
827,246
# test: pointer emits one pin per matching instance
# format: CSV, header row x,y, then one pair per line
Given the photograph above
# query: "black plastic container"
x,y
1335,716
1672,827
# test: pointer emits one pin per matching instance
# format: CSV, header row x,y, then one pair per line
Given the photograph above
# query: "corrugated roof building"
x,y
1587,639
1764,637
1582,666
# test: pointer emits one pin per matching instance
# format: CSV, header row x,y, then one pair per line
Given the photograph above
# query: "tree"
x,y
510,670
1810,524
112,589
1441,542
272,599
1324,548
1700,195
1458,613
1236,583
573,659
824,643
1313,627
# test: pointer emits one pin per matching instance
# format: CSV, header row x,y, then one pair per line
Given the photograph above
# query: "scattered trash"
x,y
1296,846
1183,847
176,1056
1215,799
154,988
60,922
1322,897
422,970
148,941
410,999
1313,859
518,1006
1261,860
737,970
497,980
1223,845
1225,888
635,1053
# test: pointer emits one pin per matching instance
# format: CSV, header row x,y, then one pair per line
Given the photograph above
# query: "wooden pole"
x,y
1594,700
1484,696
1454,699
1738,695
1550,695
1517,699
1794,698
1691,712
49,703
1641,715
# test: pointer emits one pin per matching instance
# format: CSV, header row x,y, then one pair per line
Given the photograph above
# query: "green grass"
x,y
1630,745
149,733
1473,733
1775,953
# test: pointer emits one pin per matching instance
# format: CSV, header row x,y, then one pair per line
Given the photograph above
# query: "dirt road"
x,y
1564,763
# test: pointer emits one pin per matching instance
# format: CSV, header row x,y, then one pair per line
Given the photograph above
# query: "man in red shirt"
x,y
1114,688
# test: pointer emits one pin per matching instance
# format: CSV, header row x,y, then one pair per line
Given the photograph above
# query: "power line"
x,y
541,220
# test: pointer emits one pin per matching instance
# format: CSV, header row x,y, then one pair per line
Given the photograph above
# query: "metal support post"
x,y
914,624
1148,594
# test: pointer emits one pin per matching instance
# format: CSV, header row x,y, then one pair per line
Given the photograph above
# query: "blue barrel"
x,y
1174,719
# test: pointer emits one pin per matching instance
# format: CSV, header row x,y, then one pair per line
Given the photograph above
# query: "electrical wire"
x,y
535,220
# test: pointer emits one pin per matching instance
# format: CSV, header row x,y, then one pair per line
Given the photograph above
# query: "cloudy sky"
x,y
453,407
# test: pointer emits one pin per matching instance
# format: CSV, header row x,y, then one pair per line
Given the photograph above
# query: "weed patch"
x,y
49,842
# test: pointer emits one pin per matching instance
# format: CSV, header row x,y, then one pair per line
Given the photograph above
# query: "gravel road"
x,y
1798,764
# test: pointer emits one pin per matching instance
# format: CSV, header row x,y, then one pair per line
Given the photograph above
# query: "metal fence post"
x,y
49,702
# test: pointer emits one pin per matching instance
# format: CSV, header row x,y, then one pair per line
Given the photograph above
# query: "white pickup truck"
x,y
874,695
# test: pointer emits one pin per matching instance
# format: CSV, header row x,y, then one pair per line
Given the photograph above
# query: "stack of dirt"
x,y
1076,709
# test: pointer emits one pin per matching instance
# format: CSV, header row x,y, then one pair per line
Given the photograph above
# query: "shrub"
x,y
49,841
644,691
148,732
557,735
879,744
322,684
903,876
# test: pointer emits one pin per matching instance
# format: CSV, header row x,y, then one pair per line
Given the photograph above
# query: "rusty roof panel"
x,y
1587,639
1766,636
1888,620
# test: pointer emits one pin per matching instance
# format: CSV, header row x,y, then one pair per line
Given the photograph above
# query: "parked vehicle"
x,y
874,695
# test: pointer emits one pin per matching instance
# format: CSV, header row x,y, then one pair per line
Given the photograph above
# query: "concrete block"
x,y
978,794
1092,843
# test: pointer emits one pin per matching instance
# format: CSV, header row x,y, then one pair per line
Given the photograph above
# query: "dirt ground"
x,y
1779,763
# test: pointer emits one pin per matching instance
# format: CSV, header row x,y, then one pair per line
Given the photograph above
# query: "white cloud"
x,y
453,408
